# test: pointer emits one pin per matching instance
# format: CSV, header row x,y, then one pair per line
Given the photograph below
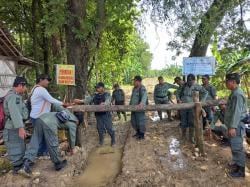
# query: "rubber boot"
x,y
60,165
191,135
136,134
141,136
183,133
16,169
225,142
27,166
101,140
238,172
232,166
112,139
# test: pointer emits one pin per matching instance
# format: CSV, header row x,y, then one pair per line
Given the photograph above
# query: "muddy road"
x,y
162,159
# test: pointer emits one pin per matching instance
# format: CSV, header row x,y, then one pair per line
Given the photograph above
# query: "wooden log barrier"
x,y
163,107
126,108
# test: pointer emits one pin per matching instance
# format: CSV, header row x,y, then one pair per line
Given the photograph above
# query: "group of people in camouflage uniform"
x,y
47,124
231,115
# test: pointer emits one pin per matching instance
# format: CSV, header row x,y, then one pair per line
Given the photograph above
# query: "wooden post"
x,y
198,123
85,118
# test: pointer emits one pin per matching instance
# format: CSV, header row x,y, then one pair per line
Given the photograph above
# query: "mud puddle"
x,y
103,166
174,158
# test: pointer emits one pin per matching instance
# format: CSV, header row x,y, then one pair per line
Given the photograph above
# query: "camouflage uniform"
x,y
139,95
221,130
187,115
236,110
103,119
161,96
47,126
118,96
211,96
16,112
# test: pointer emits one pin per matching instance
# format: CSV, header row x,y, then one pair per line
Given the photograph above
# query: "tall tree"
x,y
196,21
80,40
209,22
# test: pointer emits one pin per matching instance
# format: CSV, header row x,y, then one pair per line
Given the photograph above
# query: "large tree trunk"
x,y
209,22
78,50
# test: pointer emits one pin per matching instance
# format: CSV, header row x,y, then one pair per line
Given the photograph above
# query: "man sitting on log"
x,y
47,126
103,119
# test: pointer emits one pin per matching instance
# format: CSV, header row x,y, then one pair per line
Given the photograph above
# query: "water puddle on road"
x,y
174,158
103,165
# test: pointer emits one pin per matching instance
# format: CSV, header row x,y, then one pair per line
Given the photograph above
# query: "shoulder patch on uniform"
x,y
17,100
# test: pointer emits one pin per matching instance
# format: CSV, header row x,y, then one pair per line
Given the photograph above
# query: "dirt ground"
x,y
162,159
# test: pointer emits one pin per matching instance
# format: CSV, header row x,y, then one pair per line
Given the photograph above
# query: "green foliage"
x,y
120,54
228,61
169,72
187,15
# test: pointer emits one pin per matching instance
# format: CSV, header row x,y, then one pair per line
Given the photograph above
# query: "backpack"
x,y
140,96
2,115
28,103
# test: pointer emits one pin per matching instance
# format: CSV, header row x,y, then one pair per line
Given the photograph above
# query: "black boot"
x,y
60,165
136,134
16,169
112,139
238,172
101,140
140,136
27,166
225,142
232,166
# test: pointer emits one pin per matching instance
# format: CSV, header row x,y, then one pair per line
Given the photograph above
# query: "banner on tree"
x,y
199,65
65,74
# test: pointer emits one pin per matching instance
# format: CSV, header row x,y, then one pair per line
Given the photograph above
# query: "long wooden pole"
x,y
103,108
198,123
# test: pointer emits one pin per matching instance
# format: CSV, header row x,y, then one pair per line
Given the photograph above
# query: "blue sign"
x,y
198,65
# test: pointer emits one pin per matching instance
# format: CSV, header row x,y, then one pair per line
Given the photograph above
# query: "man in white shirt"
x,y
41,102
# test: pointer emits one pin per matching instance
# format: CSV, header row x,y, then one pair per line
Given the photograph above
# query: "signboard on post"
x,y
65,74
199,65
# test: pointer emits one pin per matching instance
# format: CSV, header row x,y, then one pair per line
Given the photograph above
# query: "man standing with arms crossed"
x,y
236,110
